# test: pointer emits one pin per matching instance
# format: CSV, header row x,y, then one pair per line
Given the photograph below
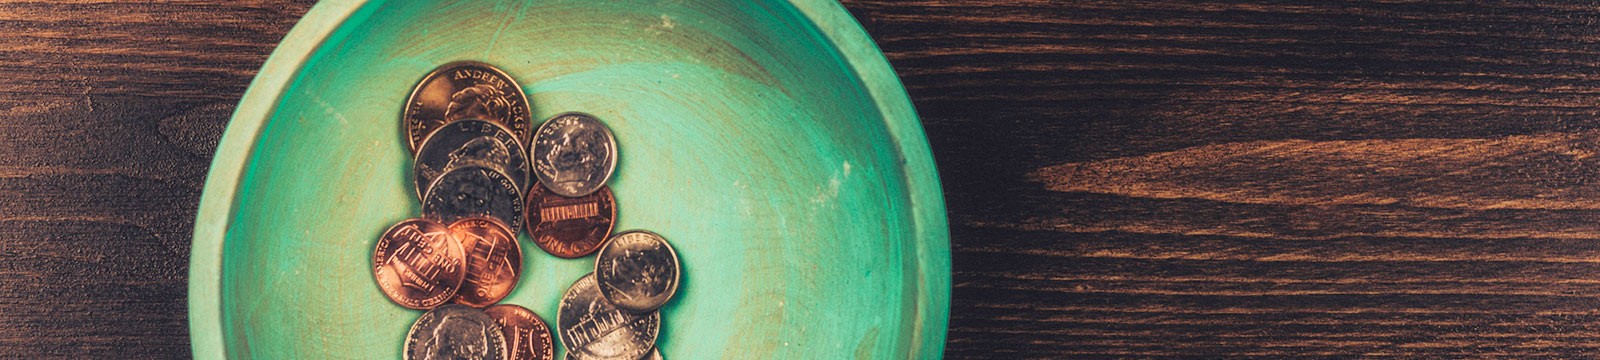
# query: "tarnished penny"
x,y
592,329
469,142
463,90
574,154
454,331
418,264
473,190
494,260
637,270
527,336
569,227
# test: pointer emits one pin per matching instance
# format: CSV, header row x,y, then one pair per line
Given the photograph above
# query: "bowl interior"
x,y
746,138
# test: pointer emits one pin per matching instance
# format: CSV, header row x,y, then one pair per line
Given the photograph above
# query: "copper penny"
x,y
569,227
461,90
494,261
419,264
527,336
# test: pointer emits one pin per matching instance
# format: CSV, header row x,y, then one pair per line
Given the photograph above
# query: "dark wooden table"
x,y
1124,178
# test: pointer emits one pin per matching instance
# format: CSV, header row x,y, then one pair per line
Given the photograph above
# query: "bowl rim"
x,y
930,226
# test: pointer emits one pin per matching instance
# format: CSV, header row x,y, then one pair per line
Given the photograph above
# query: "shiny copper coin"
x,y
569,227
527,336
461,90
419,264
494,261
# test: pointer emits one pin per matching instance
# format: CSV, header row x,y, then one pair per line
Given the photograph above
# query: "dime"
x,y
473,190
461,90
527,336
494,260
593,329
655,354
455,332
569,227
637,270
418,264
469,142
574,154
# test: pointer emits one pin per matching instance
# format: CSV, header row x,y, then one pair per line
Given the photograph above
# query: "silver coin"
x,y
655,354
574,154
454,331
592,329
469,142
637,270
473,190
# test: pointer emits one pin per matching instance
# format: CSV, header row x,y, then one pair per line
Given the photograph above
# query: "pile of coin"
x,y
467,126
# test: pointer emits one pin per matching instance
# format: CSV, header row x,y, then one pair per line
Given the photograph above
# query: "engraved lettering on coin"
x,y
418,264
637,270
570,227
469,142
465,90
455,332
527,336
473,190
593,329
494,261
574,154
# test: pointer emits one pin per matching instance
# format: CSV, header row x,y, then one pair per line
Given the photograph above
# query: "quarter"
x,y
473,190
463,90
527,336
455,332
569,227
593,329
574,154
494,261
469,142
418,264
637,271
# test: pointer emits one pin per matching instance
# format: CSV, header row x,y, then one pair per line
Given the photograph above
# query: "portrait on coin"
x,y
459,339
481,101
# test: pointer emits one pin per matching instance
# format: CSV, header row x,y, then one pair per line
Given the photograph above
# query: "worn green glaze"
x,y
768,140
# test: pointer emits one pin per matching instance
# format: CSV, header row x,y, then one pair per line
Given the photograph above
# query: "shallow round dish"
x,y
769,141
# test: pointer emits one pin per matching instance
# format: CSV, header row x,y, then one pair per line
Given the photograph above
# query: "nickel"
x,y
473,190
455,332
592,329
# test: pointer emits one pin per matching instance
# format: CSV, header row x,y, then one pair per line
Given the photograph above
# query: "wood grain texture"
x,y
1289,178
109,114
1124,178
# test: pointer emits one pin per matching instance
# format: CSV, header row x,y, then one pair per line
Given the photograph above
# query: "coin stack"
x,y
466,124
613,313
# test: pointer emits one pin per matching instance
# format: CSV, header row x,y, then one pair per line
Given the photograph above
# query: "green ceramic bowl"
x,y
768,140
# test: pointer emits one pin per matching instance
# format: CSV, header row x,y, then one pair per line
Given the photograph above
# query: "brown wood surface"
x,y
1124,178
